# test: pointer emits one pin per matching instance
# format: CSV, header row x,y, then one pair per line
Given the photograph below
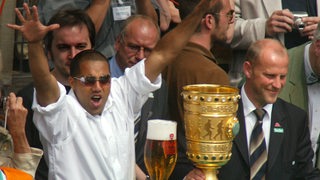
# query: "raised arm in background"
x,y
145,7
173,42
97,11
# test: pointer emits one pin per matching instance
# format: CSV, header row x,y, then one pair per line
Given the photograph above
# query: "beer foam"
x,y
161,130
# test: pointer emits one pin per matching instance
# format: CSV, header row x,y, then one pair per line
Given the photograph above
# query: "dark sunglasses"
x,y
91,80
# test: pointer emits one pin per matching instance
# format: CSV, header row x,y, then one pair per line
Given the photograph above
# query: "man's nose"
x,y
140,54
72,52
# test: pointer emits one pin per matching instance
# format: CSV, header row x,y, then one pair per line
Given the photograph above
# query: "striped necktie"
x,y
136,128
258,150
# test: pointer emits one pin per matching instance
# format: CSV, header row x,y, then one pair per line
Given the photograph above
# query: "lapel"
x,y
272,6
241,139
296,83
276,138
278,123
146,108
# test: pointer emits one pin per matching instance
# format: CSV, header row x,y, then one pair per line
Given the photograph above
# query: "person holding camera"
x,y
272,19
303,85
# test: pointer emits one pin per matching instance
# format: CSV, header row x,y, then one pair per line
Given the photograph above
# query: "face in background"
x,y
266,75
136,43
223,31
230,31
92,97
66,43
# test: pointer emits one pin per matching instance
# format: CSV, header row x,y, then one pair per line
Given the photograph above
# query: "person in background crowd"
x,y
271,19
23,161
107,15
302,87
135,42
196,65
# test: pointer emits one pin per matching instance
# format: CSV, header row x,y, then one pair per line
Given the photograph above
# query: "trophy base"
x,y
210,172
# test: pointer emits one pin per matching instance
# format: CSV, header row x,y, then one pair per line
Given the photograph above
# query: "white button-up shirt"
x,y
313,101
79,146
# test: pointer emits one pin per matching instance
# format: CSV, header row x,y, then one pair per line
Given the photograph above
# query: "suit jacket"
x,y
290,153
295,91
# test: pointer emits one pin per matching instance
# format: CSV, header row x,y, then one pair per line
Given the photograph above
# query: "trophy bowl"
x,y
210,125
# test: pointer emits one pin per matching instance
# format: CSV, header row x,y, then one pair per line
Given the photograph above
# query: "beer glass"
x,y
160,151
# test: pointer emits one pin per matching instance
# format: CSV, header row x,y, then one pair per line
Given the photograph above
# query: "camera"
x,y
297,20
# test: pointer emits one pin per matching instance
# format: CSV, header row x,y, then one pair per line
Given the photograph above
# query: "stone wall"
x,y
6,42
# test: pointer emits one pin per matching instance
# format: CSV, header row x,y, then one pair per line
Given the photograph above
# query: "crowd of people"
x,y
101,69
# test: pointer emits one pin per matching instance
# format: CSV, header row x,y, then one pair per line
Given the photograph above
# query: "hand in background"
x,y
311,26
32,29
17,114
279,22
195,174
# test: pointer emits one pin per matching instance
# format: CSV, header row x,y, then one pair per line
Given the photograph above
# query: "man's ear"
x,y
209,21
247,69
117,43
71,81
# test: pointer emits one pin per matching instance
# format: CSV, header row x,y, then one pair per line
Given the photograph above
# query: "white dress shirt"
x,y
81,146
313,100
250,118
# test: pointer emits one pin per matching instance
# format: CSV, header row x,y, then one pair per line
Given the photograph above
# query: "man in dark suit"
x,y
136,40
281,148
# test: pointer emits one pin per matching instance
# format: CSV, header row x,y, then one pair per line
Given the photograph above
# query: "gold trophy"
x,y
210,125
160,151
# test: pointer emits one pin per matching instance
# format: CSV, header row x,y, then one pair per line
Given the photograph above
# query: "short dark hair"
x,y
85,55
71,17
187,6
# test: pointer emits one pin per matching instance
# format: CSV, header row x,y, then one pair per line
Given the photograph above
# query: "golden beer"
x,y
160,151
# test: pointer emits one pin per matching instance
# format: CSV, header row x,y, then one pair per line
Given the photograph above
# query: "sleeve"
x,y
51,120
28,162
242,39
135,87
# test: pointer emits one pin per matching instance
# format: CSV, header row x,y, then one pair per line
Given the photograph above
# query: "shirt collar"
x,y
248,106
114,68
311,77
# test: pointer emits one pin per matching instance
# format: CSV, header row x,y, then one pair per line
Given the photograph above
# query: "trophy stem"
x,y
210,172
